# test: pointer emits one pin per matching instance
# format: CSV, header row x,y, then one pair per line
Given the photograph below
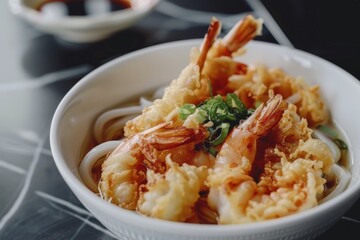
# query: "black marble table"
x,y
38,69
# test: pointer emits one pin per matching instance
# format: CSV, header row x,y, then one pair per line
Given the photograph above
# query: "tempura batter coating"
x,y
193,84
172,195
292,179
267,166
254,86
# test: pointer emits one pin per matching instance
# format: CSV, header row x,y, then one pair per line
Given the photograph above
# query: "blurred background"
x,y
37,69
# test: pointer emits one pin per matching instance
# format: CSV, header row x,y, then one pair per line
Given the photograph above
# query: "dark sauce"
x,y
82,7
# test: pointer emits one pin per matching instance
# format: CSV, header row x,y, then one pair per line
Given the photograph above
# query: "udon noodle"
x,y
225,143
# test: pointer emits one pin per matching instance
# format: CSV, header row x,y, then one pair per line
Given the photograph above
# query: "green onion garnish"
x,y
328,131
333,135
223,114
235,103
340,143
186,110
219,138
218,112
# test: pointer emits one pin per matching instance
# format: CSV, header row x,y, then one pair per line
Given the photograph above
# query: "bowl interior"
x,y
144,70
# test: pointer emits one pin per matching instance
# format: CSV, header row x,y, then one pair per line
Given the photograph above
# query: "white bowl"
x,y
143,70
82,29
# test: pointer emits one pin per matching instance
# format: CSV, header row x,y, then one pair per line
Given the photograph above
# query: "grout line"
x,y
84,220
26,186
62,202
46,79
28,150
201,17
350,219
175,11
195,16
270,23
12,167
80,228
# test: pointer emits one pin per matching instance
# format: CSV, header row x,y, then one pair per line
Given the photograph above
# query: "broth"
x,y
81,7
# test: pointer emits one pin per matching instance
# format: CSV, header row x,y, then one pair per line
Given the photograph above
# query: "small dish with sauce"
x,y
82,21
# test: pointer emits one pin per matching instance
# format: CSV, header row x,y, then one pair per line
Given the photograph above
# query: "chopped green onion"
x,y
234,102
333,135
224,130
328,131
186,110
340,143
201,115
232,117
212,151
222,114
218,112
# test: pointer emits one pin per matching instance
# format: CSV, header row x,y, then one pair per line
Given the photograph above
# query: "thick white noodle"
x,y
112,131
333,147
90,159
343,178
159,93
145,102
112,114
102,134
341,174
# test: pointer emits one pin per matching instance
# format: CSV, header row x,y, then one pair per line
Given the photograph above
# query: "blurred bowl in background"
x,y
82,21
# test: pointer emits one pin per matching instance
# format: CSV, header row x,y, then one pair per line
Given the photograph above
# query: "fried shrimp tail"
x,y
243,32
231,186
211,63
125,169
220,65
292,177
189,87
227,143
209,39
239,148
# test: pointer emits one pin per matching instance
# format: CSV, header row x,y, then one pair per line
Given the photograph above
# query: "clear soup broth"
x,y
57,8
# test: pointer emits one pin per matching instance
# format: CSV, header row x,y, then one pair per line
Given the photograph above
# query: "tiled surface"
x,y
37,70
